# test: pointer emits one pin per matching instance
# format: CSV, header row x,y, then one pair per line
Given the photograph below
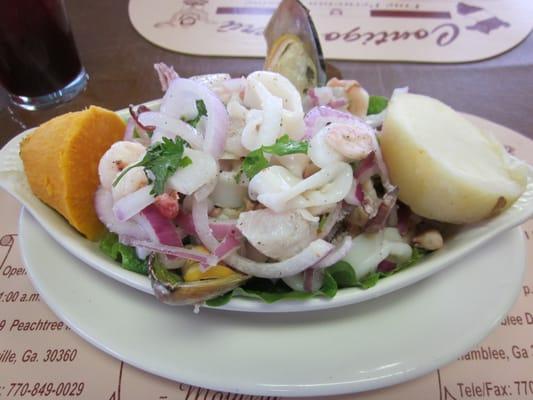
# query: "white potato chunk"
x,y
445,167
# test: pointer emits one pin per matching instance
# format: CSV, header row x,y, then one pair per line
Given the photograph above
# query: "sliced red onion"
x,y
367,168
170,127
219,228
178,97
133,203
313,279
359,194
331,220
386,266
378,222
163,228
103,203
231,242
291,266
179,252
130,128
166,74
404,212
319,117
222,228
185,222
336,254
201,224
313,97
309,280
204,191
135,115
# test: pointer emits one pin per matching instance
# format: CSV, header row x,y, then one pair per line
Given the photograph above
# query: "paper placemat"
x,y
40,357
437,31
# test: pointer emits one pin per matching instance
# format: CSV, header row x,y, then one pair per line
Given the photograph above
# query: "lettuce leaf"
x,y
339,275
270,291
377,104
126,255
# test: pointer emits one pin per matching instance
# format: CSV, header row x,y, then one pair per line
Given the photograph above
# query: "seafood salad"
x,y
247,187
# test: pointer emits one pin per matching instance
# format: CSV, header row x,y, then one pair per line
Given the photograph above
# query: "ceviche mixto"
x,y
245,186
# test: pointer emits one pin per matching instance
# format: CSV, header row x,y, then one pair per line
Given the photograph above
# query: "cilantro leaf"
x,y
256,161
377,104
284,145
162,159
202,111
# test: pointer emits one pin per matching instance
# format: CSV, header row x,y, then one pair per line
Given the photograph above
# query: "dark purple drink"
x,y
38,56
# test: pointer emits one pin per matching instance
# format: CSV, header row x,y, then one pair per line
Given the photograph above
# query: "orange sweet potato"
x,y
61,162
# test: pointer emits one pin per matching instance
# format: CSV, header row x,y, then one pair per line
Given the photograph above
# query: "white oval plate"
x,y
366,346
12,178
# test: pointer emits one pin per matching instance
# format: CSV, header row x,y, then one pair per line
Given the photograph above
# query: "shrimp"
x,y
356,95
132,181
353,141
119,156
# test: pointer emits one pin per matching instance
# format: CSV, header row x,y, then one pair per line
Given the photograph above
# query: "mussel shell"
x,y
182,293
289,58
292,19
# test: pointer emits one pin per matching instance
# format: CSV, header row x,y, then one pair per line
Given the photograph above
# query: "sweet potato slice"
x,y
61,162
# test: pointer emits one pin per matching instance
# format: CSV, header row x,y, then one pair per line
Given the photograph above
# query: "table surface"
x,y
119,62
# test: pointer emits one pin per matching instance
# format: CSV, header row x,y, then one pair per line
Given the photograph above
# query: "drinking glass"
x,y
39,62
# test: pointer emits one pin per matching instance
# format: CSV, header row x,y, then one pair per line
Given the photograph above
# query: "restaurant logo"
x,y
191,12
471,17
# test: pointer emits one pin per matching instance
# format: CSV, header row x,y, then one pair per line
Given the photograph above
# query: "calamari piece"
x,y
180,101
279,86
294,46
295,163
201,171
277,235
276,188
263,122
237,120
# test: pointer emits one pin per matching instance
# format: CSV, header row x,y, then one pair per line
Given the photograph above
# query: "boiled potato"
x,y
445,167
